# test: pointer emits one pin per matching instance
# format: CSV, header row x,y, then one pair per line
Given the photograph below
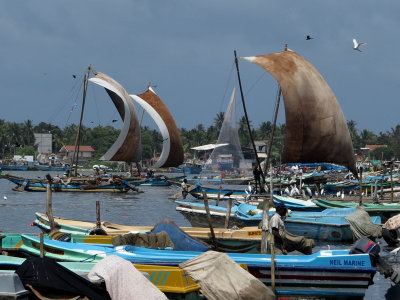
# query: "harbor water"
x,y
17,211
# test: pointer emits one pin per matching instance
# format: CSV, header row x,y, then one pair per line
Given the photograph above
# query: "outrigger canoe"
x,y
329,225
244,240
74,184
384,210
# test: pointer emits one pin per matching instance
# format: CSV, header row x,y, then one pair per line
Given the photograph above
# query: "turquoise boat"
x,y
326,273
328,225
383,210
173,281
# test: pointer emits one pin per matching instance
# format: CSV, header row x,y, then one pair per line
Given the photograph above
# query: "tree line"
x,y
18,138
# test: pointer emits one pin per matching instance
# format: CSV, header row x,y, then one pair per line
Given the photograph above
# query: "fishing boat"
x,y
114,184
383,210
328,225
324,273
213,192
244,240
297,204
172,150
316,130
173,281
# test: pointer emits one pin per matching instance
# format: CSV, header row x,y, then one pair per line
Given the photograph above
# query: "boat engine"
x,y
365,245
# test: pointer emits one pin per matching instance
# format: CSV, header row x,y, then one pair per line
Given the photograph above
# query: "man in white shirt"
x,y
277,226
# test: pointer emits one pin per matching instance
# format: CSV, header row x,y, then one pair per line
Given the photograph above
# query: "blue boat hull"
x,y
325,273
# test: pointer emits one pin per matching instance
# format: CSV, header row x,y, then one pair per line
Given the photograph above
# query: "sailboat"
x,y
172,151
316,130
127,147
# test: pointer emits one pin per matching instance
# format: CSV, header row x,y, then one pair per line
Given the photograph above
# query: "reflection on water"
x,y
147,208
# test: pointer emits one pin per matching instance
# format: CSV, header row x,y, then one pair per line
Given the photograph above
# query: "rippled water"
x,y
147,208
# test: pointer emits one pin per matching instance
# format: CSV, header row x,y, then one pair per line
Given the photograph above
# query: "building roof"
x,y
81,148
373,147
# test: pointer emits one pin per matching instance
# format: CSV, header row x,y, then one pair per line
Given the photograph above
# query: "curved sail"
x,y
316,130
127,147
172,152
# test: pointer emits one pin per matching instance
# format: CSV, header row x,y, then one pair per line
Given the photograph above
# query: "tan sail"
x,y
172,152
316,130
127,147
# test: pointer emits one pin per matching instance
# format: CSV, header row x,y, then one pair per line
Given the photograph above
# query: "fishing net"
x,y
362,225
227,158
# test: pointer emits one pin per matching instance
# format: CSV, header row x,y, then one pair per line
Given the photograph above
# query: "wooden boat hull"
x,y
385,210
212,193
325,273
167,279
315,225
245,240
41,186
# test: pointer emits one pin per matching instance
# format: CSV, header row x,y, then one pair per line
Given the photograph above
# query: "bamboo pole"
x,y
247,120
391,182
228,212
209,218
41,245
219,195
98,219
272,242
360,186
273,128
49,205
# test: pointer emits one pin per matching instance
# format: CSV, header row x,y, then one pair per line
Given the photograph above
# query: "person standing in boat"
x,y
257,178
185,188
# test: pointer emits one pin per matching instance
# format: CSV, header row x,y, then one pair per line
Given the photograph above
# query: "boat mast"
x,y
78,135
247,120
273,125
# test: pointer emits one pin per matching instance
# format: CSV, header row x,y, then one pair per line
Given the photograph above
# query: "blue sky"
x,y
185,48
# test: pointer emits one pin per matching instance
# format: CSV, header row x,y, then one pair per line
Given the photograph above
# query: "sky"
x,y
185,50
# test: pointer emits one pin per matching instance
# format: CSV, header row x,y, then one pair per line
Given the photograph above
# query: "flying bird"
x,y
74,76
308,38
357,45
114,121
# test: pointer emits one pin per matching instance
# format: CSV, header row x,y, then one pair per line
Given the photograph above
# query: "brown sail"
x,y
172,153
127,147
316,130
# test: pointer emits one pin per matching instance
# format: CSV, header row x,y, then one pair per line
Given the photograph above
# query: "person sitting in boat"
x,y
185,188
284,241
150,173
96,170
57,183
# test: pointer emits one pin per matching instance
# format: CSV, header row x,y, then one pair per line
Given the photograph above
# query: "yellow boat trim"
x,y
170,279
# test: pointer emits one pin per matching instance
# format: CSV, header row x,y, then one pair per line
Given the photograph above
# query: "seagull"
x,y
5,197
395,251
308,38
357,45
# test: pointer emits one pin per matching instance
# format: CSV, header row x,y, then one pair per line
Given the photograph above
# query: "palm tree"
x,y
218,120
